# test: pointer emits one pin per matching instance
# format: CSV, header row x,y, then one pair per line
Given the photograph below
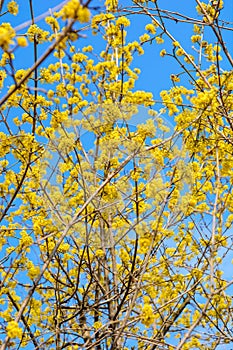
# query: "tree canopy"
x,y
116,202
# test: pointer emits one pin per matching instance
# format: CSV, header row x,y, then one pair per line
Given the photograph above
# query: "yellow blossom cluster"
x,y
74,10
13,330
13,7
147,314
209,11
173,98
36,33
53,23
22,41
124,218
7,33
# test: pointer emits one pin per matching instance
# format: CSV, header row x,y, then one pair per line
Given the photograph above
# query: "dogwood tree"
x,y
116,207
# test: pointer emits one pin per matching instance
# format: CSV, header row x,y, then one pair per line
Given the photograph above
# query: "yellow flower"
x,y
175,78
147,315
196,29
159,40
33,271
2,77
144,244
99,253
50,93
22,41
111,5
163,53
64,247
6,35
195,38
84,15
189,59
88,48
36,33
151,28
25,239
13,330
97,325
180,52
53,23
122,21
73,9
144,37
176,44
13,7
